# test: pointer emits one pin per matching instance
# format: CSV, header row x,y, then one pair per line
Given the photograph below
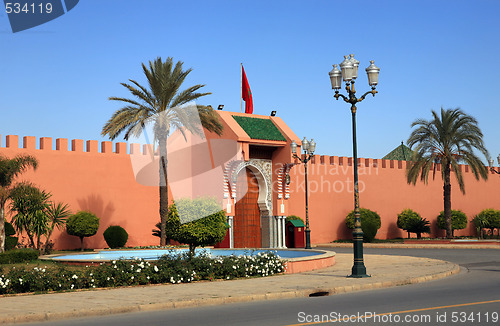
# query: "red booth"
x,y
295,234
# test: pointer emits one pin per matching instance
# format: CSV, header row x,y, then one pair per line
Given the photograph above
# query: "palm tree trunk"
x,y
162,142
2,228
47,239
447,199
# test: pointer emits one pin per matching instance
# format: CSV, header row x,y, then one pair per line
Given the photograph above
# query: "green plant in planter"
x,y
82,224
458,221
370,223
482,220
115,236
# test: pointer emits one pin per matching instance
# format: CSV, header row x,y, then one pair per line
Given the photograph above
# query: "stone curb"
x,y
410,246
226,300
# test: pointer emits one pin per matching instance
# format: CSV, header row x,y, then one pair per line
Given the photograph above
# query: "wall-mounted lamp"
x,y
221,106
273,113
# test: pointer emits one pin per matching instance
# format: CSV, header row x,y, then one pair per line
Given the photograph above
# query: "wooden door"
x,y
246,224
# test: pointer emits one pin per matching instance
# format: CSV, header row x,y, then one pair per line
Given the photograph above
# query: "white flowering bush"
x,y
168,269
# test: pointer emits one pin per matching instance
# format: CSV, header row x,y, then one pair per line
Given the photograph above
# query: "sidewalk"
x,y
386,271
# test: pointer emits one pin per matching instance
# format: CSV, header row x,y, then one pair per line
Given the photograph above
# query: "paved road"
x,y
469,298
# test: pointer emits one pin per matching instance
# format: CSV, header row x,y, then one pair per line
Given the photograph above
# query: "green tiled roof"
x,y
257,128
400,153
297,223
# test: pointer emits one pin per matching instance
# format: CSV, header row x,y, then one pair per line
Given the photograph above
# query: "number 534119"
x,y
18,8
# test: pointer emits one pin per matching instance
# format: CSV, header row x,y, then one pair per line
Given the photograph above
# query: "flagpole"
x,y
241,87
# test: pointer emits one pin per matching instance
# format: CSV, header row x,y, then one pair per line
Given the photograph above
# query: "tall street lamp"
x,y
308,147
349,73
491,164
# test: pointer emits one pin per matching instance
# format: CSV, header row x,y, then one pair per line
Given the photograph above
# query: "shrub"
x,y
9,229
168,269
458,220
412,222
115,236
82,224
418,225
204,231
18,256
10,241
370,223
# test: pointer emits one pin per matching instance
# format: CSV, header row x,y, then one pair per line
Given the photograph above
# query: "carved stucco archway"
x,y
262,169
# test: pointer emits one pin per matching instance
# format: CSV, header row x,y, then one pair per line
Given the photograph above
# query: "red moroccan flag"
x,y
246,93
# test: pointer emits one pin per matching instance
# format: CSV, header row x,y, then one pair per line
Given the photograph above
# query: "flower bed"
x,y
168,269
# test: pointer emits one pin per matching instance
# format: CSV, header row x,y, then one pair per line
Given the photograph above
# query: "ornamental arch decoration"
x,y
262,170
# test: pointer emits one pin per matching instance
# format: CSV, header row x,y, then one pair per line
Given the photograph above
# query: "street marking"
x,y
408,311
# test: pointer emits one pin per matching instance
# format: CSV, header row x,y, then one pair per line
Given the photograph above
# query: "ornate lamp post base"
x,y
358,269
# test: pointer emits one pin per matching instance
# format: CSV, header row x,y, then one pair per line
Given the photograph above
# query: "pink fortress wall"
x,y
95,178
100,178
383,189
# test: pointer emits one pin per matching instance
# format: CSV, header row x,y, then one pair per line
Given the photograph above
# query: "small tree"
x,y
82,224
370,223
57,214
205,231
30,205
458,220
9,170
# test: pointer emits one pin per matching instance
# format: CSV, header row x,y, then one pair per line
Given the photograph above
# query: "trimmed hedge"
x,y
370,223
18,256
115,236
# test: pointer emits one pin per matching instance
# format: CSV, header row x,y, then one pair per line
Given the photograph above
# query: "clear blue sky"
x,y
55,78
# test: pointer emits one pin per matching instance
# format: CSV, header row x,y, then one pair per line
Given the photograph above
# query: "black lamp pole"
x,y
308,148
349,73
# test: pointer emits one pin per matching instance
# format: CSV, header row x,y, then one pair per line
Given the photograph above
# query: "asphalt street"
x,y
469,298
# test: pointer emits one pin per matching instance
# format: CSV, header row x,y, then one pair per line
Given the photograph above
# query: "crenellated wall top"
x,y
74,145
124,148
368,162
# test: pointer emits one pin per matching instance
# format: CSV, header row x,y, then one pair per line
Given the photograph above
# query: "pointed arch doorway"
x,y
247,220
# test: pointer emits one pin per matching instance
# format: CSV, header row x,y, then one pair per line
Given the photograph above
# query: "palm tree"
x,y
9,170
163,106
450,140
